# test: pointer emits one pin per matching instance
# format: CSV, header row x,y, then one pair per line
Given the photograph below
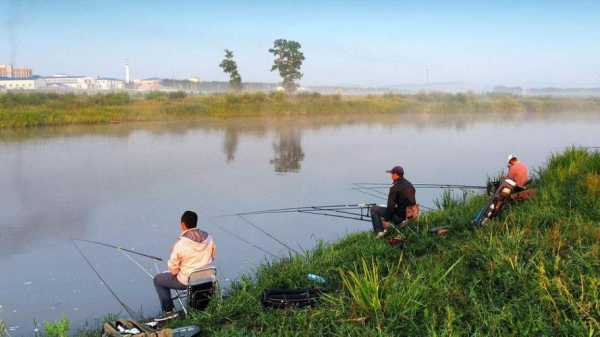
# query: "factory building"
x,y
31,83
106,83
8,71
71,82
148,84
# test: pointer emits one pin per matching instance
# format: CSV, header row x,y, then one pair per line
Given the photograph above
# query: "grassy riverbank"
x,y
535,271
40,109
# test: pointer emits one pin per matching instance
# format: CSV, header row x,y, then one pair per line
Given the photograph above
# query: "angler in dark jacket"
x,y
401,196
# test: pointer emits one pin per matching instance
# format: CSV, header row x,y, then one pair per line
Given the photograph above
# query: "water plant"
x,y
3,332
58,328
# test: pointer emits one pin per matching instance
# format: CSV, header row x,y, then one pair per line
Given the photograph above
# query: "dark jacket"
x,y
402,195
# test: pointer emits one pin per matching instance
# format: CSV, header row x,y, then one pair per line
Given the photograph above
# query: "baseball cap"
x,y
397,170
511,156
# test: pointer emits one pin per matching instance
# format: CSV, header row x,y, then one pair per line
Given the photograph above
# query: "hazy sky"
x,y
345,42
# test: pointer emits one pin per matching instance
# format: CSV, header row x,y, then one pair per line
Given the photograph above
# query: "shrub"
x,y
59,328
177,95
155,95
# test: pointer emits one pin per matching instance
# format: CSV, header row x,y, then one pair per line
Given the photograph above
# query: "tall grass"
x,y
39,109
3,332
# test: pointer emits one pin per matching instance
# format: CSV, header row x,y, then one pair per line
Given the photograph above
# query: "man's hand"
x,y
386,224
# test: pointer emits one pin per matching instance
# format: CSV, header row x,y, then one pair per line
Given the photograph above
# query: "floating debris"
x,y
28,283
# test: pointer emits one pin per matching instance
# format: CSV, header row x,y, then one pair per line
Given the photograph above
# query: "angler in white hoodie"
x,y
193,249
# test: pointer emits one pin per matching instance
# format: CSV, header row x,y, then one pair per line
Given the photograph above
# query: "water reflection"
x,y
230,143
288,153
39,206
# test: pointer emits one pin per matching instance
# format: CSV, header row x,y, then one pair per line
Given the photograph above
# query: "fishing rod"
x,y
382,195
129,311
119,248
346,211
442,186
246,241
268,234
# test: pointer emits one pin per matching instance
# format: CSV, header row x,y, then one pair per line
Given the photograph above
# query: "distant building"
x,y
105,83
31,83
71,82
149,84
508,90
9,71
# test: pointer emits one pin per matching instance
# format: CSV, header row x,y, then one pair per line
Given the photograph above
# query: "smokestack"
x,y
127,78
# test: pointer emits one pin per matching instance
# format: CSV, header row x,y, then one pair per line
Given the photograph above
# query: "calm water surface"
x,y
129,185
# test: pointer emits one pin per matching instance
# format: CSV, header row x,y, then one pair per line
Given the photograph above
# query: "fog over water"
x,y
128,185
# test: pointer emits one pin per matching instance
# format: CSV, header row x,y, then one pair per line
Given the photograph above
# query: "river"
x,y
129,184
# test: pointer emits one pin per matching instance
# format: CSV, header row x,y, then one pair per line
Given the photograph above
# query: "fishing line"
x,y
246,241
129,311
120,248
372,193
268,234
137,264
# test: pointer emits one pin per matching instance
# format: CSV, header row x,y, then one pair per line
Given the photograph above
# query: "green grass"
x,y
535,271
3,332
59,328
41,109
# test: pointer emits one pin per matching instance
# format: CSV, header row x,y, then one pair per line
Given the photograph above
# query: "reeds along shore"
x,y
535,271
18,110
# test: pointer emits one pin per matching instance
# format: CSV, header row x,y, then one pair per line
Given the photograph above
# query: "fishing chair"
x,y
202,284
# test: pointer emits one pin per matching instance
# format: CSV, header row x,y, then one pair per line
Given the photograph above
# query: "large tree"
x,y
288,61
229,66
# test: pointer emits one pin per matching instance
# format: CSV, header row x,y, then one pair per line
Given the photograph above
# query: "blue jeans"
x,y
163,283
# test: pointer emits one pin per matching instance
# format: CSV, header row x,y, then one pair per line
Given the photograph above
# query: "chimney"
x,y
127,78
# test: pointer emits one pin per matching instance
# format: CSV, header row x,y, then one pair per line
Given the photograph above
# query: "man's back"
x,y
193,250
402,195
519,173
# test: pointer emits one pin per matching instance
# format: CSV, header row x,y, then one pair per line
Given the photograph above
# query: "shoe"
x,y
397,241
381,234
169,315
